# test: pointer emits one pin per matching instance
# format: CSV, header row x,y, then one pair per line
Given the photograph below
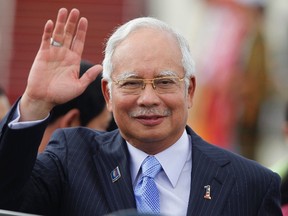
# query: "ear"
x,y
106,94
191,91
70,119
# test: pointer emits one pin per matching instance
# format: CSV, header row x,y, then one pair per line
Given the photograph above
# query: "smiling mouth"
x,y
150,120
149,117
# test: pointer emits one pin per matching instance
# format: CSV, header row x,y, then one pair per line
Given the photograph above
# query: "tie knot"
x,y
150,167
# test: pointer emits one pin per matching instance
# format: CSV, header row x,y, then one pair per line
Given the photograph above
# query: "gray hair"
x,y
123,32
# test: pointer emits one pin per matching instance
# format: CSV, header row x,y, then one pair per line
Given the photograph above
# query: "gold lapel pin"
x,y
207,192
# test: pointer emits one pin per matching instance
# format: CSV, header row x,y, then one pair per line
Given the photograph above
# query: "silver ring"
x,y
55,43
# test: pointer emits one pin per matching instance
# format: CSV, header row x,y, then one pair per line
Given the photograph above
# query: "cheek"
x,y
120,113
120,104
179,107
177,101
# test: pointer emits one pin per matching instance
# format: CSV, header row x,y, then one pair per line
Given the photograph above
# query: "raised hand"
x,y
54,76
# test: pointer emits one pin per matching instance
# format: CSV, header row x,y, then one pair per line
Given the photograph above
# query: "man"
x,y
148,83
88,109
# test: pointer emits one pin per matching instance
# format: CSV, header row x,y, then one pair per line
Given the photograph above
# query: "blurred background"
x,y
240,48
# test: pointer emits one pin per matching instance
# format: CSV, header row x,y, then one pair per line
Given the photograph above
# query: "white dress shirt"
x,y
174,181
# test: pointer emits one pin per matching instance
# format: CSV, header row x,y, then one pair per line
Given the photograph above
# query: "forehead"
x,y
147,50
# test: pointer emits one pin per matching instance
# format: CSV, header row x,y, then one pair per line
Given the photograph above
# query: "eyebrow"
x,y
168,73
128,75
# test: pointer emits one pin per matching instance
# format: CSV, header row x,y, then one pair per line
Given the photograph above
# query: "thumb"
x,y
90,75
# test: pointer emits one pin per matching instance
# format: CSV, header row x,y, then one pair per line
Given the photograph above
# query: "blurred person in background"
x,y
89,109
233,76
255,83
4,103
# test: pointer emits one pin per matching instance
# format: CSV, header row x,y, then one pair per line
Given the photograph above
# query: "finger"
x,y
47,33
58,33
90,75
70,27
79,39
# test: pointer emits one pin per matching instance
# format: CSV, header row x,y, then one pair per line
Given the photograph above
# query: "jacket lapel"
x,y
208,170
112,164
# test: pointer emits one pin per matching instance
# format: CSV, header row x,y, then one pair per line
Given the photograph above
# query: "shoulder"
x,y
82,133
81,138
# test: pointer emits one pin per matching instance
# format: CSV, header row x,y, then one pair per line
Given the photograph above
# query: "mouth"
x,y
150,120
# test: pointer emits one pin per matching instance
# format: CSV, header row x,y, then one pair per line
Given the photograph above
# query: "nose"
x,y
148,95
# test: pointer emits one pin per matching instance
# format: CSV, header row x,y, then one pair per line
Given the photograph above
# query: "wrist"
x,y
31,109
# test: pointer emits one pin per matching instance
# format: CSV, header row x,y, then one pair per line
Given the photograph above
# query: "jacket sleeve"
x,y
18,152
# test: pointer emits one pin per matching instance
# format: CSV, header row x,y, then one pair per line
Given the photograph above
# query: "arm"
x,y
18,151
53,79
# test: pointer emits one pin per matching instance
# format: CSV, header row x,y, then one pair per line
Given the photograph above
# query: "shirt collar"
x,y
179,151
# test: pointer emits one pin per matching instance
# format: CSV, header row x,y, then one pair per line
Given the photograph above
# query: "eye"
x,y
130,83
165,82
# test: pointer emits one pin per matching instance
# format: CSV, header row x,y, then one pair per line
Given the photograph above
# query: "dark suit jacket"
x,y
73,176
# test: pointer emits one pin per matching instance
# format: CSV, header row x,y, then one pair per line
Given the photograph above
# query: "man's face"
x,y
149,120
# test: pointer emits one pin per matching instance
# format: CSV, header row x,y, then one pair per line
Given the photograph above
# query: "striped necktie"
x,y
146,191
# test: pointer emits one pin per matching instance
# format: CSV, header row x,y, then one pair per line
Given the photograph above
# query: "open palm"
x,y
54,76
